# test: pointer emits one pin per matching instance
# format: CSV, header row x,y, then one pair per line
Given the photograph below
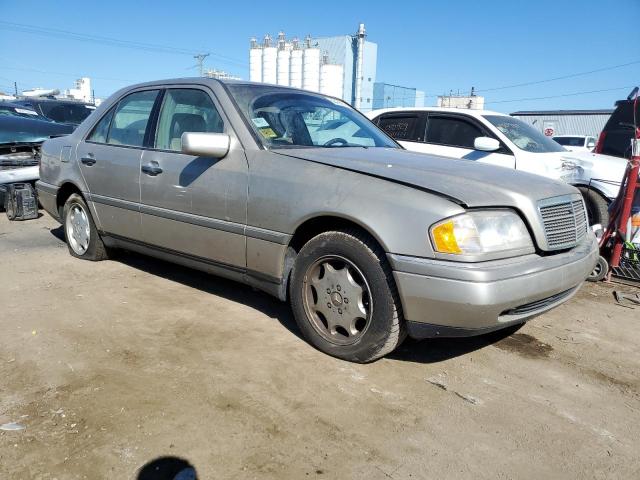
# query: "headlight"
x,y
481,233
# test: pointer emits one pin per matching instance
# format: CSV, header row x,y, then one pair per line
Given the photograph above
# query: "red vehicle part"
x,y
621,213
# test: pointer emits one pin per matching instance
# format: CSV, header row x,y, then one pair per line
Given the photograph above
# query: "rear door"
x,y
194,205
109,159
453,135
407,128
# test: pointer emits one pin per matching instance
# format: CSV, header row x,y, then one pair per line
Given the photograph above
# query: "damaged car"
x,y
21,137
368,242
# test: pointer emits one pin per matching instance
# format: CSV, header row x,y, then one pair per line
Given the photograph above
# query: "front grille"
x,y
565,223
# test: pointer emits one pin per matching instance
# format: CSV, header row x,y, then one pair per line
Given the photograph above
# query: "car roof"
x,y
204,80
465,111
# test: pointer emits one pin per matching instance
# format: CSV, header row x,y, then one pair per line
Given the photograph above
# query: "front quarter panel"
x,y
284,192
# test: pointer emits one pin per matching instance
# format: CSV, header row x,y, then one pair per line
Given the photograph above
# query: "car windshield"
x,y
570,141
283,118
524,136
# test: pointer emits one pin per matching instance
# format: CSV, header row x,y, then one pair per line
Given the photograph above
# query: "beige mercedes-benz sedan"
x,y
299,195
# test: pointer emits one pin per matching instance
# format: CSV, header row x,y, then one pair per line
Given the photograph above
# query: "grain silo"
x,y
310,66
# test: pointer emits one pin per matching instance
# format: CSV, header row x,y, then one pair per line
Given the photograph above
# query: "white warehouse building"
x,y
342,66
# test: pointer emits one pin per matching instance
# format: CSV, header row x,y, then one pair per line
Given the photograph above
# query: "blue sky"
x,y
434,46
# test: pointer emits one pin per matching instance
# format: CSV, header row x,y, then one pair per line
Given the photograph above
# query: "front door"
x,y
194,205
109,160
454,136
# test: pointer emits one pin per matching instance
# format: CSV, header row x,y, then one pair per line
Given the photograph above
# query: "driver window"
x,y
185,110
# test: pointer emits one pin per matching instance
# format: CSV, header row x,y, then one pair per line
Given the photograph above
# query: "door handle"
x,y
88,161
152,169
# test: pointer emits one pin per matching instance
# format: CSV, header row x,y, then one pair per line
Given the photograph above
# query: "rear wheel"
x,y
80,231
597,207
344,297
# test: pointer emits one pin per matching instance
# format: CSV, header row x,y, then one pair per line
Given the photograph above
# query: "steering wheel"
x,y
333,141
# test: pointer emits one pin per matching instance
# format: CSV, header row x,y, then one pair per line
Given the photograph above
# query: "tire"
x,y
368,327
599,271
80,231
597,207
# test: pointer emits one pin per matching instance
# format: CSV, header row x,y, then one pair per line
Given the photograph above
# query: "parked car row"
x,y
299,195
498,139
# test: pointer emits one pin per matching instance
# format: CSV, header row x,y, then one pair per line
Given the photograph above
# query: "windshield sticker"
x,y
260,122
267,133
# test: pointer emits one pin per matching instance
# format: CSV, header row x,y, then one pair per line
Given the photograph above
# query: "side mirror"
x,y
214,145
591,145
486,144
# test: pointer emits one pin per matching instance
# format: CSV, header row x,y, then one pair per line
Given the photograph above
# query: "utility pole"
x,y
200,59
15,88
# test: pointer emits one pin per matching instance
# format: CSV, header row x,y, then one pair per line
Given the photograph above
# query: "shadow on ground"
x,y
423,351
168,468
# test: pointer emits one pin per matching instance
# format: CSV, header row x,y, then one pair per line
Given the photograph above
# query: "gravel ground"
x,y
109,366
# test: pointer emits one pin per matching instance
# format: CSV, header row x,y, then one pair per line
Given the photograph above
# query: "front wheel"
x,y
597,207
344,297
80,231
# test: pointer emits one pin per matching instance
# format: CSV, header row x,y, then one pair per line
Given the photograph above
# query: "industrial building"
x,y
389,96
566,122
343,66
473,101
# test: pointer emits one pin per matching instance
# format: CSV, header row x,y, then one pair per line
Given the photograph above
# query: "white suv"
x,y
498,139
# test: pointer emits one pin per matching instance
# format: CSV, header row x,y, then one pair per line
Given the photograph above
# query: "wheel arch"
x,y
592,188
311,227
314,225
64,192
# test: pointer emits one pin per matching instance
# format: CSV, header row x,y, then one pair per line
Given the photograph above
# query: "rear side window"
x,y
185,110
454,132
401,127
570,141
101,130
130,119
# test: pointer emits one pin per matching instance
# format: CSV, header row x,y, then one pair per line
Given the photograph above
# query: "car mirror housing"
x,y
486,144
205,144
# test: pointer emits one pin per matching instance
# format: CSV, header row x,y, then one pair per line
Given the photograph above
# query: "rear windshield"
x,y
66,112
570,141
618,131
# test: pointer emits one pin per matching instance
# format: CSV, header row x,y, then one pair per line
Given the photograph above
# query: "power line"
x,y
559,96
563,77
114,42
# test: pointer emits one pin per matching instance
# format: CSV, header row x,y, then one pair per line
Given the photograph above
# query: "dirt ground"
x,y
112,365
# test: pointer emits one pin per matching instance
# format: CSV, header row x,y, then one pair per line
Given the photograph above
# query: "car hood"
x,y
19,129
466,182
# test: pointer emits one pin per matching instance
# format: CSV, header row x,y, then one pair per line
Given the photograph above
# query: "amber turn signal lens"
x,y
444,238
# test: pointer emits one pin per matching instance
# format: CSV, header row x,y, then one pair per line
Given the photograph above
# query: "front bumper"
x,y
449,299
